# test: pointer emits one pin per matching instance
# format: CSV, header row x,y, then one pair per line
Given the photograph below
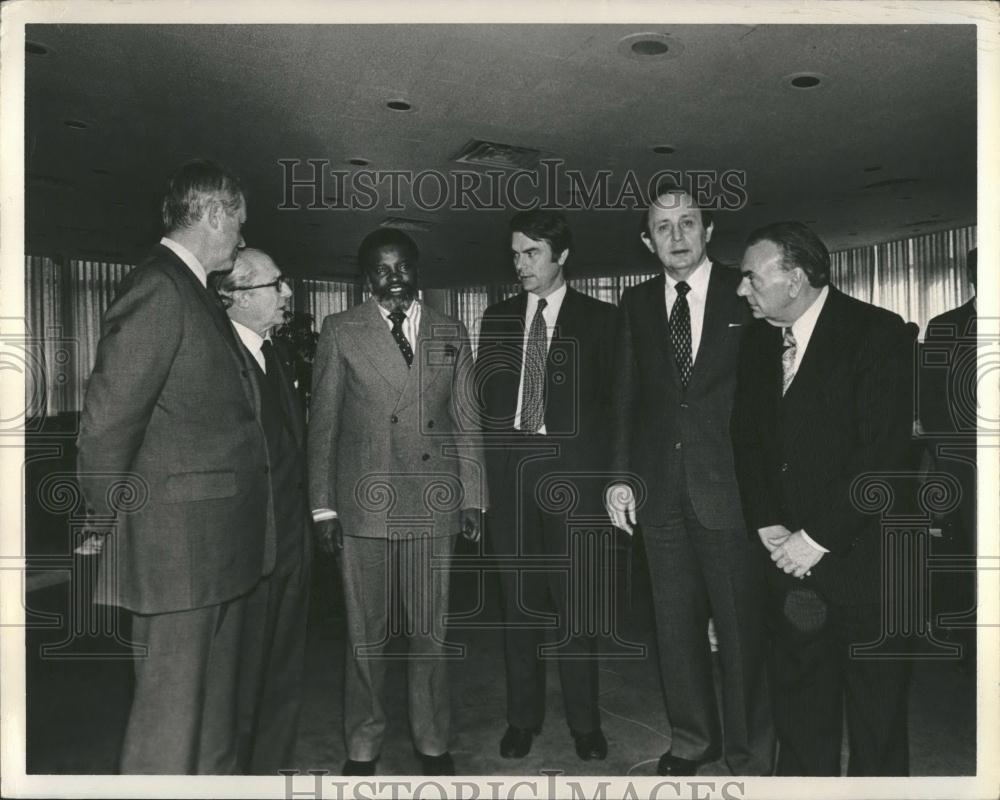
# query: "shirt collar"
x,y
803,327
697,280
553,301
189,259
249,337
408,314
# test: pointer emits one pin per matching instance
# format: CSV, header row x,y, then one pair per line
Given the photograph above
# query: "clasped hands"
x,y
330,532
790,552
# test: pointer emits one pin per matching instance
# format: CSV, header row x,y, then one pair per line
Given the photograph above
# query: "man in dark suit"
x,y
395,472
256,297
543,374
676,354
172,408
825,395
949,420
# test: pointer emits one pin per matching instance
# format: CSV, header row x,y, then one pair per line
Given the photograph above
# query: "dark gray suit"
x,y
173,407
701,562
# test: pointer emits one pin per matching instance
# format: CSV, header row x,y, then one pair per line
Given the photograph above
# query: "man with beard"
x,y
256,296
394,451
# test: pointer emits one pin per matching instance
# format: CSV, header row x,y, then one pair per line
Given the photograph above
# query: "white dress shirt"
x,y
189,258
698,281
410,325
802,330
252,341
550,314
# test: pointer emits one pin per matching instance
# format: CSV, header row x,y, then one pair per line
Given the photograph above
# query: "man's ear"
x,y
562,257
213,214
708,232
648,242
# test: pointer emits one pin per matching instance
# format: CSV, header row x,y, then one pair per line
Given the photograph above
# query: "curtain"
x,y
321,298
918,278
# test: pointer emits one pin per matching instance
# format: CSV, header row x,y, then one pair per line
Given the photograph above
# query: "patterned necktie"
x,y
533,395
397,318
679,326
787,359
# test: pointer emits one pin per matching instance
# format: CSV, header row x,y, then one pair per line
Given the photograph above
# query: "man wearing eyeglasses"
x,y
256,297
395,473
172,411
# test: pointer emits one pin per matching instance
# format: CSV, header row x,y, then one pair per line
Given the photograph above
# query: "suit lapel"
x,y
713,324
656,307
221,321
375,340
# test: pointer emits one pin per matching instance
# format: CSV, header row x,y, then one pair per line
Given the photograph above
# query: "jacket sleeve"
x,y
882,401
624,398
324,418
466,418
142,332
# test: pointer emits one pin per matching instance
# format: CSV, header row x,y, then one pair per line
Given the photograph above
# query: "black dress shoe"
x,y
591,745
674,765
437,765
516,742
352,767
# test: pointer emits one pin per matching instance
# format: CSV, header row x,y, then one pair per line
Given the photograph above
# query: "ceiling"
x,y
883,148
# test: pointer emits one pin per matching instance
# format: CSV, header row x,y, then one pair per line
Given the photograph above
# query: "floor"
x,y
79,690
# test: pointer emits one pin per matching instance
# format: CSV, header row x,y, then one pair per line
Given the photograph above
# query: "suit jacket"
x,y
659,425
172,403
848,411
947,373
387,443
578,382
288,468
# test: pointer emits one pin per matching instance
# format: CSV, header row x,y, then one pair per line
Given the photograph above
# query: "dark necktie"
x,y
790,347
533,393
271,369
397,318
679,326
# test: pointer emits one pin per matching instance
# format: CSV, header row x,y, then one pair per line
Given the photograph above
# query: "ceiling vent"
x,y
494,154
406,224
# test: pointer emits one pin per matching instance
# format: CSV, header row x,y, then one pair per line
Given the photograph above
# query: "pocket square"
x,y
735,324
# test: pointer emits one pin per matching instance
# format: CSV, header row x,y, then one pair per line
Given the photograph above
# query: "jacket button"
x,y
684,405
784,466
267,469
430,423
393,419
677,446
245,374
425,457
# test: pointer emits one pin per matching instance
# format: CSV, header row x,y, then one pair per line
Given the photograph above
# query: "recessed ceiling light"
x,y
359,162
649,46
76,124
664,149
804,80
35,49
399,105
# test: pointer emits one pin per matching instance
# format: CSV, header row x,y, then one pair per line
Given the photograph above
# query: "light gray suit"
x,y
396,451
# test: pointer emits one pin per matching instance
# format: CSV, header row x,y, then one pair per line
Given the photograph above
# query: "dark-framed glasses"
x,y
279,283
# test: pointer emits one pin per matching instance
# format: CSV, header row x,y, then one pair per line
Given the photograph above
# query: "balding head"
x,y
254,292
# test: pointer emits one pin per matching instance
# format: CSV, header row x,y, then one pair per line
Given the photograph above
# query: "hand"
x,y
620,505
329,536
795,555
773,536
472,524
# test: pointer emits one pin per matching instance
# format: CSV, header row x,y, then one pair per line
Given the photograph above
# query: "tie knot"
x,y
397,316
682,288
542,303
788,338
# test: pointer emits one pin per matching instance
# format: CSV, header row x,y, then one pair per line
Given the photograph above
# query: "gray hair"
x,y
246,270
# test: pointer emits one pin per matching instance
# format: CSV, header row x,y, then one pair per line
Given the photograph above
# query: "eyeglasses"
x,y
277,284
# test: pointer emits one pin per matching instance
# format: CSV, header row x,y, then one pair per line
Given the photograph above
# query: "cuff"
x,y
815,545
320,514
